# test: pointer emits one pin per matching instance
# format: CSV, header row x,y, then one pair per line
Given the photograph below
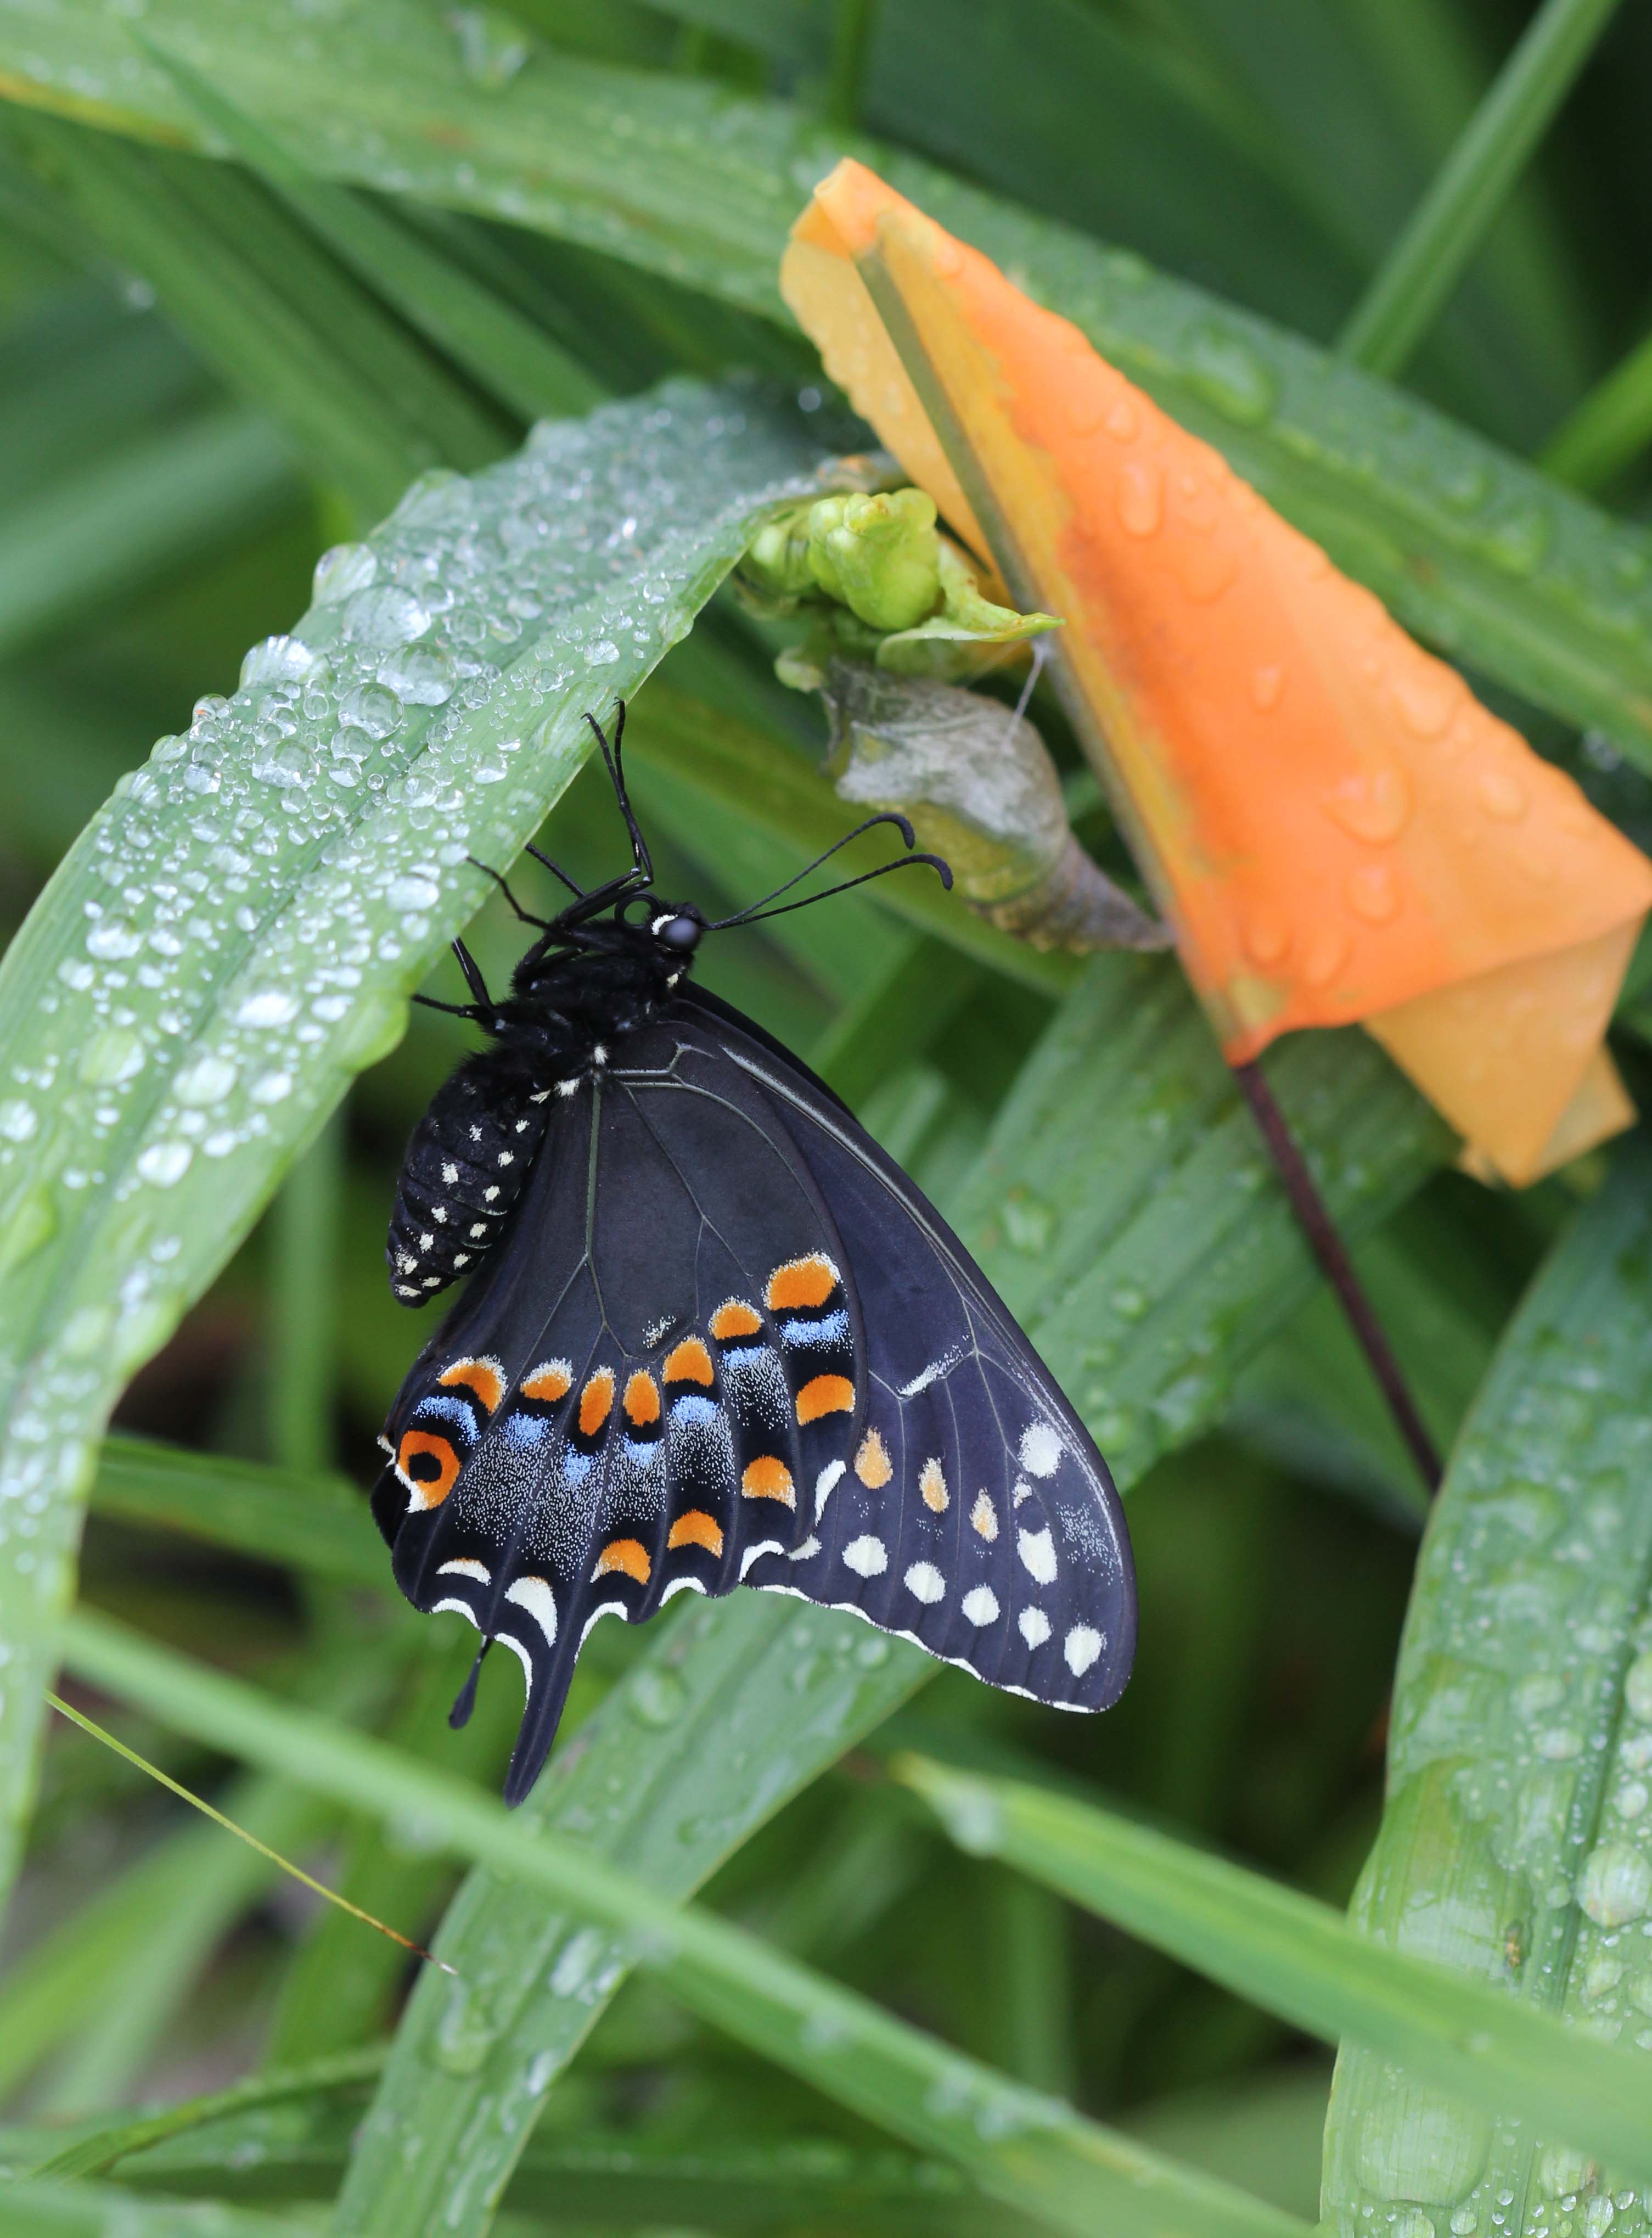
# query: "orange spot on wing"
x,y
697,1528
431,1486
932,1483
595,1401
550,1381
642,1399
825,1394
629,1555
872,1463
689,1363
807,1282
486,1378
768,1478
734,1318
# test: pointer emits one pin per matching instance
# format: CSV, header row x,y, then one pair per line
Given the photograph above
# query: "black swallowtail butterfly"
x,y
714,1337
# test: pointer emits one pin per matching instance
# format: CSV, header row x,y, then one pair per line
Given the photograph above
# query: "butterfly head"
x,y
675,928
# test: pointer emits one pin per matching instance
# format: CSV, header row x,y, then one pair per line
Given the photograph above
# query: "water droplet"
x,y
1123,422
384,617
270,1006
1228,371
1375,805
209,1080
1637,1688
1519,541
1030,1223
1266,933
19,1121
1426,698
1616,1884
28,1224
412,892
1561,2171
271,1088
1631,1799
1137,496
1500,795
372,708
277,660
110,1058
112,938
1327,952
491,47
656,1697
286,763
1597,2216
1267,685
1373,893
1205,570
164,1164
423,677
345,568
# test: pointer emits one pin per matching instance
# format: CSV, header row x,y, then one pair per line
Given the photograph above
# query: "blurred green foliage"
x,y
420,228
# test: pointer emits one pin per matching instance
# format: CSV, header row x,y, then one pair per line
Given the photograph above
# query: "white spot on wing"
x,y
1081,1648
866,1557
534,1595
1034,1626
608,1608
465,1567
983,1517
823,1485
509,1639
926,1581
1040,1450
810,1545
1037,1550
681,1586
763,1546
980,1605
458,1607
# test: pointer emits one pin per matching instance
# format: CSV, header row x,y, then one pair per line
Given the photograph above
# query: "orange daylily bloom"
x,y
1335,826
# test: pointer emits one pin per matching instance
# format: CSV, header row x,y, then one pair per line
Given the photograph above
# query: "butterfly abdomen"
x,y
460,1180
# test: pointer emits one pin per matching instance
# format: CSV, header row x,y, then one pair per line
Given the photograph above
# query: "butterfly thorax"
x,y
575,997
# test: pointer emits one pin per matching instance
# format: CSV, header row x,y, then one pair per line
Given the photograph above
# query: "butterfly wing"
x,y
642,1390
972,1512
725,1339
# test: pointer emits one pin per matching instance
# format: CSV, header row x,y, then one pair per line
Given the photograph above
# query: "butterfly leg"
x,y
611,755
524,916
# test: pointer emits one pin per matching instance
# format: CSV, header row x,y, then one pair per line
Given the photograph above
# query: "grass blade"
x,y
1301,1959
320,887
1030,2151
316,1525
1513,1847
1471,549
1426,263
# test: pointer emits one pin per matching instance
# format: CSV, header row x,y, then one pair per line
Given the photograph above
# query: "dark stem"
x,y
1329,1250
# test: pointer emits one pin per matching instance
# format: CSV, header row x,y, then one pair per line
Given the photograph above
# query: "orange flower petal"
x,y
1336,826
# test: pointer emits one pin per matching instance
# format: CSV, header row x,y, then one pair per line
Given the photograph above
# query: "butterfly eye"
x,y
681,933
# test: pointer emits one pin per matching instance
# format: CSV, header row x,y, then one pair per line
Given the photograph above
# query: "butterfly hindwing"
x,y
639,1396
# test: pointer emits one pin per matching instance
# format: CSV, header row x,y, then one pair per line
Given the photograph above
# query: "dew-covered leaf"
x,y
1020,2145
1516,1846
235,933
1471,548
1295,1956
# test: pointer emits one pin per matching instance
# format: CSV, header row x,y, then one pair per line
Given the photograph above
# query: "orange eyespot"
x,y
872,1463
642,1399
486,1378
595,1401
427,1462
825,1394
549,1381
689,1363
768,1478
697,1528
734,1318
807,1281
627,1555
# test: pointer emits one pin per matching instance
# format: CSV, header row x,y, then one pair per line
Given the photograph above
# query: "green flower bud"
x,y
777,560
878,555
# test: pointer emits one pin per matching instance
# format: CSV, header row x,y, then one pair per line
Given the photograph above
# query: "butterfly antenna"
x,y
611,757
756,909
